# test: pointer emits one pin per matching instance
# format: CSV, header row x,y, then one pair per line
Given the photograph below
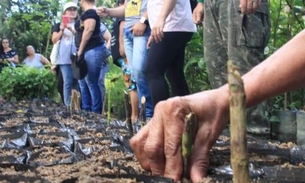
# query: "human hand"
x,y
150,39
62,26
198,14
102,11
10,59
138,29
157,30
80,59
53,69
157,145
249,6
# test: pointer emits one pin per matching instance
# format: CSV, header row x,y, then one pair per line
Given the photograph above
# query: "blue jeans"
x,y
67,76
89,87
136,53
101,80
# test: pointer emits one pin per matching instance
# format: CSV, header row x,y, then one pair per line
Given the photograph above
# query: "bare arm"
x,y
107,37
14,59
57,35
89,26
121,39
282,71
167,7
157,29
44,60
112,12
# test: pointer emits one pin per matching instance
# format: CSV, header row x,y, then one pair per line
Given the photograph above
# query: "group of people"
x,y
9,56
153,36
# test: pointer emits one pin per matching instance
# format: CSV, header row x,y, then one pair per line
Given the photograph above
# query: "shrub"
x,y
26,83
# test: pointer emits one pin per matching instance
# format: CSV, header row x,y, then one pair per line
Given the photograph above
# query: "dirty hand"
x,y
198,14
157,30
157,146
249,6
102,11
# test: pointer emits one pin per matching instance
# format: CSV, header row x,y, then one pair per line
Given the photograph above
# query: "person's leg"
x,y
60,84
67,75
132,89
85,95
159,57
101,81
94,58
174,72
247,38
136,53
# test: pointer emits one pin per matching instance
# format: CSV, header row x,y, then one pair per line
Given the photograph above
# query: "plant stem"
x,y
239,153
188,136
128,112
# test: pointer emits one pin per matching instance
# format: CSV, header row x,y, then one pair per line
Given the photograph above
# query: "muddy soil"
x,y
41,141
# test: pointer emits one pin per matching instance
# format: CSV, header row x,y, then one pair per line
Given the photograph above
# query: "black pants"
x,y
167,58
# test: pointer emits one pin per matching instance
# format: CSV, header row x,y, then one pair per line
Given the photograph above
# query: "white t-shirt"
x,y
179,20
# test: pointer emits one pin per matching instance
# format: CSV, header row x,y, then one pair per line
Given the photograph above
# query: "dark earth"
x,y
42,141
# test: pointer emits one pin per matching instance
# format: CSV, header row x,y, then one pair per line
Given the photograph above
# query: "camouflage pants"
x,y
229,35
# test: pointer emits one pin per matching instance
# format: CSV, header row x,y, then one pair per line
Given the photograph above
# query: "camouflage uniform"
x,y
228,35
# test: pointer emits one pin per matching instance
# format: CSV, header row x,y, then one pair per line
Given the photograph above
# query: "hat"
x,y
69,5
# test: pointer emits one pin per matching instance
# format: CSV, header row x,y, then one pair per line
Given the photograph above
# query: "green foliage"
x,y
195,67
25,83
286,22
114,91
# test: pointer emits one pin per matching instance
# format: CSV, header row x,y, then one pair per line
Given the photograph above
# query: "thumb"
x,y
200,164
200,154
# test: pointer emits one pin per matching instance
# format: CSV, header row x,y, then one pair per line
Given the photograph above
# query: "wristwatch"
x,y
143,20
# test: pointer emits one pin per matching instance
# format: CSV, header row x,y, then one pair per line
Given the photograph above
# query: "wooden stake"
x,y
76,100
143,110
239,153
188,137
128,112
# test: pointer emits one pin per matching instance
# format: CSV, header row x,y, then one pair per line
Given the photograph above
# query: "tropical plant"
x,y
26,83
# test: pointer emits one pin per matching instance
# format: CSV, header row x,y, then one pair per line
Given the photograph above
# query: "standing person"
x,y
136,34
158,145
106,36
119,59
172,28
7,54
236,30
91,48
64,32
33,59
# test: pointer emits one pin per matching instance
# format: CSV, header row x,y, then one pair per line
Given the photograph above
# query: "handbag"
x,y
54,53
79,66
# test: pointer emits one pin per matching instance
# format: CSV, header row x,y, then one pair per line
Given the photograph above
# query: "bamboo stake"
x,y
128,112
188,137
239,153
